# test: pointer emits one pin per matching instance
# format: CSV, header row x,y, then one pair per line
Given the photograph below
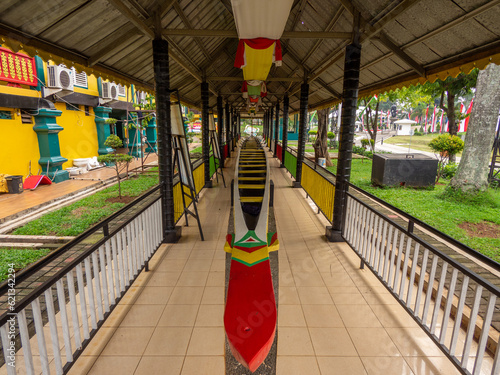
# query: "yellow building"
x,y
51,115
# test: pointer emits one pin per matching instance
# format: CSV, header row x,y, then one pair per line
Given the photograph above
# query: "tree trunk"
x,y
472,173
321,144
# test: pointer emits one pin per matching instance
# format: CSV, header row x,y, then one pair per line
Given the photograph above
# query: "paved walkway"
x,y
333,318
12,205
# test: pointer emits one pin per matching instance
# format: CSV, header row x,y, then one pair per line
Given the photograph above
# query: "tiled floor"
x,y
333,317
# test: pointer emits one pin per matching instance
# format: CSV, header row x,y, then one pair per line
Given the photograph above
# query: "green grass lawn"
x,y
19,257
416,142
437,210
77,217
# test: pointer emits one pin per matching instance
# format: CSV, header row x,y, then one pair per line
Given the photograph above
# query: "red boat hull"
x,y
250,315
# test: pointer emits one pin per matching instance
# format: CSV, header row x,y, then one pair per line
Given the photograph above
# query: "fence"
x,y
97,277
443,296
319,188
62,308
291,163
439,293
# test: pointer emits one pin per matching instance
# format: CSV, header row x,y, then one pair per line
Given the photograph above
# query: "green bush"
x,y
331,135
417,133
449,170
366,142
447,145
313,132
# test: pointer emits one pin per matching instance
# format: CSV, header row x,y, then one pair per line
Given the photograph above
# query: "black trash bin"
x,y
14,184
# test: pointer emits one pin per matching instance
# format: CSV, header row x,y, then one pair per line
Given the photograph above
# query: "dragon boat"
x,y
250,313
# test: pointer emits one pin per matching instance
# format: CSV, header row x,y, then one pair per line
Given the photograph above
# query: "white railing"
x,y
452,304
78,298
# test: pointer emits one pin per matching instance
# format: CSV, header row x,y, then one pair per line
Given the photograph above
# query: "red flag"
x,y
434,118
469,110
426,116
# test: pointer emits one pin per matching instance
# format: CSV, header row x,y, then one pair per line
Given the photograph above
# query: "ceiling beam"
x,y
73,13
111,47
389,43
268,79
138,22
210,33
302,6
143,26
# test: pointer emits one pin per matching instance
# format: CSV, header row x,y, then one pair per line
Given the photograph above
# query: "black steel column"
x,y
227,121
304,96
233,128
171,233
264,126
277,129
349,105
205,144
284,144
271,137
220,128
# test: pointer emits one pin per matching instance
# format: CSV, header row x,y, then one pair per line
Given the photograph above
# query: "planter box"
x,y
414,170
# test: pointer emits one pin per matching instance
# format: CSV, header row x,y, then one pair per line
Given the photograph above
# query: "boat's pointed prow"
x,y
250,315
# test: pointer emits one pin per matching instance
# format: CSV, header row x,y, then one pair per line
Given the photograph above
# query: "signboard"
x,y
180,143
17,68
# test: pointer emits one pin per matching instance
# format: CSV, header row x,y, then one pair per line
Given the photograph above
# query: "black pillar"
x,y
349,105
171,233
220,128
304,95
277,129
264,126
271,136
205,145
227,121
284,144
233,128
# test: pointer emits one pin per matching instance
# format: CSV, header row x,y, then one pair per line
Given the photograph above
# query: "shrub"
x,y
331,135
118,161
365,142
446,145
449,170
417,133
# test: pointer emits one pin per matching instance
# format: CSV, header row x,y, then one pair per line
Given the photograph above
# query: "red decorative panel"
x,y
279,153
17,67
226,151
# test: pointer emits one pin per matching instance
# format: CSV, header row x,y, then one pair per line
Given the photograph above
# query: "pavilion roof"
x,y
403,42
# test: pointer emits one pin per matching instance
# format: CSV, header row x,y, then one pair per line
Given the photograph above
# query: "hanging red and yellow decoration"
x,y
255,57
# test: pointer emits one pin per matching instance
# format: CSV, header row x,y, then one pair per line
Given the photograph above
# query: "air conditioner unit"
x,y
142,97
109,93
59,81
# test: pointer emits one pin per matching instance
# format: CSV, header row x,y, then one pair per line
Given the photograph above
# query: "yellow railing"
x,y
199,182
319,189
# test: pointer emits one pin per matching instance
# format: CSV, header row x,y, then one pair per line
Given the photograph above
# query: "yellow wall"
x,y
79,137
18,146
19,143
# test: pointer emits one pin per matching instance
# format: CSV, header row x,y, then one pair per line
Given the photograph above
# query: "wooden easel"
x,y
181,159
214,142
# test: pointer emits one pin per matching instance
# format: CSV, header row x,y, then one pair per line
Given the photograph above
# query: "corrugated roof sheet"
x,y
103,37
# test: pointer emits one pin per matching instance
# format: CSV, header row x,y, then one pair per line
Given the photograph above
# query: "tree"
x,y
118,161
321,143
453,88
371,108
446,146
472,173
